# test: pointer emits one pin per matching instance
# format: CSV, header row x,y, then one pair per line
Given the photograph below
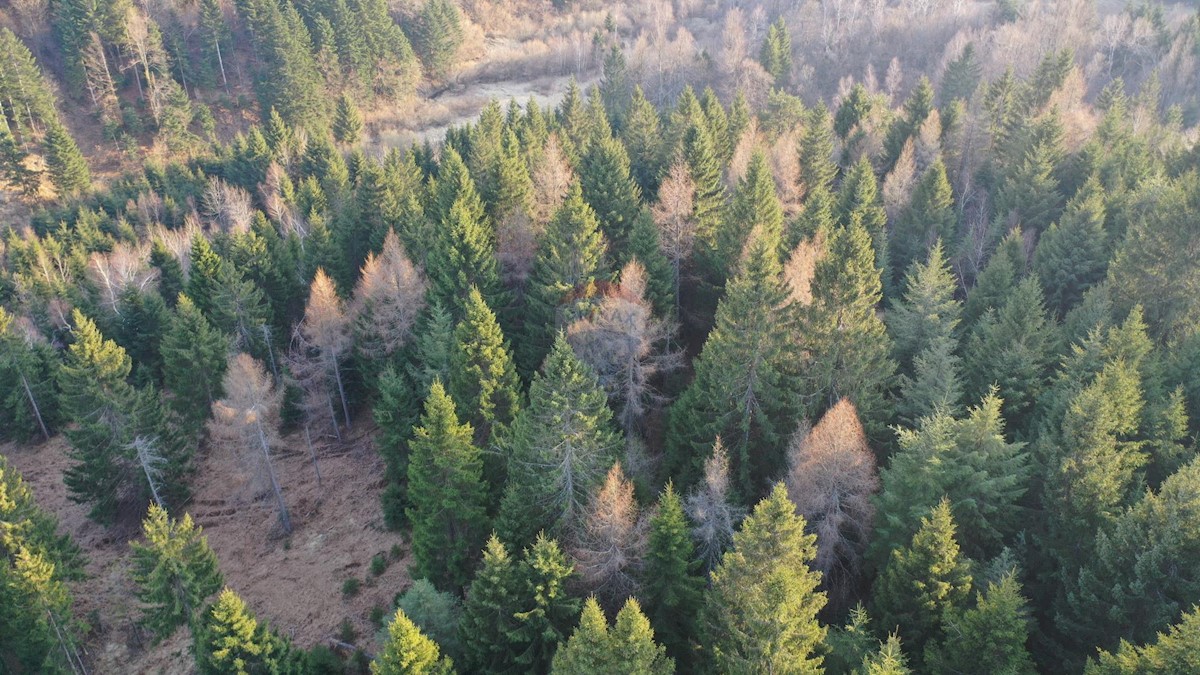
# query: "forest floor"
x,y
294,583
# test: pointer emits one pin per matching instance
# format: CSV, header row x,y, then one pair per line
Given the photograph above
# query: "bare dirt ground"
x,y
294,583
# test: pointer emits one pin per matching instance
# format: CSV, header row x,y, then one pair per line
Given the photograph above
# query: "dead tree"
x,y
246,421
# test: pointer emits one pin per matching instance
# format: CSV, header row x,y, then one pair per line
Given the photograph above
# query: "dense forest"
x,y
841,336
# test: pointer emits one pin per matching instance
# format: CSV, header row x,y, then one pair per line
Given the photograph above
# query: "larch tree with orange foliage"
x,y
247,420
831,479
321,342
611,543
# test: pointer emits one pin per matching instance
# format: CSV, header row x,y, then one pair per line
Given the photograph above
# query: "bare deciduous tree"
x,y
516,247
389,297
673,215
551,178
798,271
898,186
709,508
831,479
627,346
611,543
124,267
230,207
321,342
246,422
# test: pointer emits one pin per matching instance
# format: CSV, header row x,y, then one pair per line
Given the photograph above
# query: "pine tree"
x,y
408,651
645,246
995,284
742,391
888,660
989,637
935,385
570,260
175,571
918,107
615,86
1095,467
930,217
1072,255
967,461
28,365
483,380
230,640
671,589
709,200
558,449
447,494
776,57
848,346
68,169
194,356
347,122
609,189
761,611
1106,601
628,647
923,581
288,79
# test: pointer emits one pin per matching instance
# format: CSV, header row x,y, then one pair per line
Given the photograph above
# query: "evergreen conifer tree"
x,y
761,611
570,260
643,141
628,647
848,346
928,311
755,207
743,389
483,380
1072,255
408,651
489,615
672,591
447,494
989,637
922,581
776,57
558,449
175,571
347,121
969,462
230,640
194,356
817,165
68,170
930,217
609,189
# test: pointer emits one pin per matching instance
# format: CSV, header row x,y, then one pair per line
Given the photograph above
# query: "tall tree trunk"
x,y
33,404
337,375
285,519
